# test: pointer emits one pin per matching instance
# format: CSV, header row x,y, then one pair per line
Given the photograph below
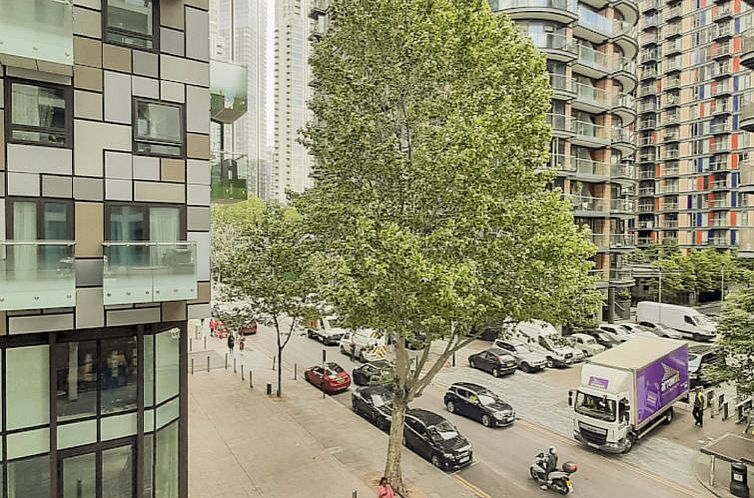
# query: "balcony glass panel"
x,y
145,272
228,91
622,205
586,203
587,129
622,240
496,5
590,57
230,173
589,93
37,29
559,122
37,274
552,41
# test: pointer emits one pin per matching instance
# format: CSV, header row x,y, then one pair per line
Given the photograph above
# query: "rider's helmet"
x,y
552,450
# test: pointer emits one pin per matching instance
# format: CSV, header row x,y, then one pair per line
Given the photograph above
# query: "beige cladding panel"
x,y
159,192
40,323
87,52
171,14
38,159
87,78
173,311
116,58
184,70
90,310
91,138
2,140
89,229
132,316
197,146
87,23
87,105
203,293
173,170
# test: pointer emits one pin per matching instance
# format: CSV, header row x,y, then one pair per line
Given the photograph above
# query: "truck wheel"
x,y
629,443
309,333
668,417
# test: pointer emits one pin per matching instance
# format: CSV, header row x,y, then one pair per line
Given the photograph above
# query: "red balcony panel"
x,y
732,218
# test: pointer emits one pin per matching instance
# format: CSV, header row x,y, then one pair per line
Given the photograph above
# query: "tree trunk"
x,y
395,445
280,372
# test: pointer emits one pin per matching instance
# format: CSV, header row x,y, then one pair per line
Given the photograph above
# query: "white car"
x,y
360,344
615,331
587,344
661,330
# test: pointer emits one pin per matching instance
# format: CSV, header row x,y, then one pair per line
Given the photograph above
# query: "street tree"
x,y
700,271
264,268
429,201
736,343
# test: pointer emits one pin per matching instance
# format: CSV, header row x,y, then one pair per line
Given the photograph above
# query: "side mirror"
x,y
570,397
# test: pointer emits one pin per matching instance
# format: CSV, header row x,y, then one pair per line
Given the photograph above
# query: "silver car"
x,y
661,330
526,355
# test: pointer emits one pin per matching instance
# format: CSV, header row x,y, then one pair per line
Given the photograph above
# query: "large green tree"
x,y
429,132
736,343
263,265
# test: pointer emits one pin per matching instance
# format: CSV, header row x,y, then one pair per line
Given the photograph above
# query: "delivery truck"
x,y
627,391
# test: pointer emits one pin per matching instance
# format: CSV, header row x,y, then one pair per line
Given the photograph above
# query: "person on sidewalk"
x,y
698,411
385,490
241,343
231,342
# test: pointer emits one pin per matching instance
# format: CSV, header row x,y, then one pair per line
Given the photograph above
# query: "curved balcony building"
x,y
591,49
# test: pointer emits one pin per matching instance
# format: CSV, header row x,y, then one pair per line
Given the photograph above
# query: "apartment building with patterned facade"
x,y
693,143
104,242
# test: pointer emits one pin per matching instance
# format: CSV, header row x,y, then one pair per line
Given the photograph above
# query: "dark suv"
x,y
372,373
479,403
432,437
374,403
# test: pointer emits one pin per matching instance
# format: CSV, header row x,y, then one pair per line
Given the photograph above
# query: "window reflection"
x,y
29,478
76,368
118,378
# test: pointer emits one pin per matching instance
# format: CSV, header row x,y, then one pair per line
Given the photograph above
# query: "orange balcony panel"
x,y
700,184
698,238
736,64
732,218
734,142
734,159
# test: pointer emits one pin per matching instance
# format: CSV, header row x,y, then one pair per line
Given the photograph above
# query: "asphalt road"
x,y
503,455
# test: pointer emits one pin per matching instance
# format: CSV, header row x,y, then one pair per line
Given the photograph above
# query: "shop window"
x,y
118,378
158,128
76,370
131,23
39,113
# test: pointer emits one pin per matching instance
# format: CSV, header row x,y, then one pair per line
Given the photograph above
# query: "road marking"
x,y
574,443
479,492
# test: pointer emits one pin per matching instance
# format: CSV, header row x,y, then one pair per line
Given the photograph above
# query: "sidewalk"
x,y
243,443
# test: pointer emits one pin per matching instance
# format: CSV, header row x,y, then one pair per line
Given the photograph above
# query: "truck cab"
x,y
360,344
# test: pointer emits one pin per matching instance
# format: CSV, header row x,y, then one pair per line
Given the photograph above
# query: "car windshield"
x,y
444,431
597,407
560,342
589,340
703,321
488,399
379,400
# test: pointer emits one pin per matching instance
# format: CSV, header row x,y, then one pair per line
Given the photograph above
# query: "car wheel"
x,y
309,334
696,337
436,461
472,364
525,367
451,407
668,417
495,372
586,354
550,363
486,421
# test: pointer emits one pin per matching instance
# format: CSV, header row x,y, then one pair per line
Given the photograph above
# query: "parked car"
x,y
615,331
587,344
331,379
358,344
700,357
374,403
603,338
432,437
372,373
488,332
558,352
248,328
327,331
527,358
493,360
661,330
479,403
417,342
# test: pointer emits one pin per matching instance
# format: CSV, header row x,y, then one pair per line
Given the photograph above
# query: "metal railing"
x,y
591,57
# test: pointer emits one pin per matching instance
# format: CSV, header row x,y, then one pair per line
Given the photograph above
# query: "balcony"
x,y
671,134
550,10
37,34
720,50
670,154
647,90
723,12
720,145
720,88
37,274
229,174
672,30
149,272
590,169
559,46
673,13
648,55
622,206
746,177
621,276
591,62
590,98
645,225
562,86
720,127
720,70
588,133
622,241
747,112
585,205
644,241
719,203
228,91
649,38
723,31
600,240
319,8
669,189
647,124
648,5
672,65
670,169
719,164
648,174
649,22
561,124
720,185
672,47
648,72
669,206
646,192
623,171
672,83
600,24
747,48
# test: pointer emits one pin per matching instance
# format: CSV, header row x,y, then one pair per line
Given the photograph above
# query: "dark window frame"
x,y
40,201
136,140
155,30
10,127
145,207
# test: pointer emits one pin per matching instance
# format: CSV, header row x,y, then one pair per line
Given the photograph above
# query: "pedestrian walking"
x,y
698,411
385,490
231,342
241,343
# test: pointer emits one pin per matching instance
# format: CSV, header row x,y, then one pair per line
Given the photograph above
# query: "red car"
x,y
331,379
248,328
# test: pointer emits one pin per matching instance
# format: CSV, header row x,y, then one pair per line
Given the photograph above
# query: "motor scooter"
x,y
558,480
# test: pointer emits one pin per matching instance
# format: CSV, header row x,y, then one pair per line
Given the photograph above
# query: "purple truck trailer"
x,y
627,391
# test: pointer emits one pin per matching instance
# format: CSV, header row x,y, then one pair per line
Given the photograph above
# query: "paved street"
x,y
503,455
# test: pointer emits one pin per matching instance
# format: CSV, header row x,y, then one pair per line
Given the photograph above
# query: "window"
x,y
76,368
27,387
130,22
166,465
118,375
158,129
39,113
29,478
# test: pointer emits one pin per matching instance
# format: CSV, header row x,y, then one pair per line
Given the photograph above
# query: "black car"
x,y
488,332
432,437
602,338
700,357
493,360
416,342
479,403
372,373
374,403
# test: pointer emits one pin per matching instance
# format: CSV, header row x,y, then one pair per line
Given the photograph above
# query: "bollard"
x,y
295,371
454,358
725,411
273,362
251,383
234,366
354,494
191,344
269,389
242,371
207,363
226,361
710,398
192,366
205,342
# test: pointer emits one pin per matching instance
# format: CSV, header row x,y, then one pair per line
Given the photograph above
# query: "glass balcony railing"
x,y
149,272
622,240
592,95
587,203
228,91
559,122
626,65
644,241
561,82
623,170
600,240
37,274
593,58
39,30
621,275
622,205
647,191
601,24
552,41
229,175
646,208
622,135
567,5
590,130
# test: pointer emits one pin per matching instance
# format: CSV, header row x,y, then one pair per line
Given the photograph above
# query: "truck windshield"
x,y
595,406
703,321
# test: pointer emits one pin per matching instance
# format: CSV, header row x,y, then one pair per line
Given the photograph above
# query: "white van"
x,y
360,343
557,349
690,322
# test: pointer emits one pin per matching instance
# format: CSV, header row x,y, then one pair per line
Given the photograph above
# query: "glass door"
x,y
98,473
79,476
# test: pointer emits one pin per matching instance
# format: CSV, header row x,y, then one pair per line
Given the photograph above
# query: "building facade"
x,y
291,163
692,142
591,48
105,186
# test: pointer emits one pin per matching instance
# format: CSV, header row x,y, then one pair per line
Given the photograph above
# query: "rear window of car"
x,y
335,368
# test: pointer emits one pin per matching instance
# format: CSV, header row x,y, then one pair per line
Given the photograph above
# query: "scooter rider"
x,y
550,464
